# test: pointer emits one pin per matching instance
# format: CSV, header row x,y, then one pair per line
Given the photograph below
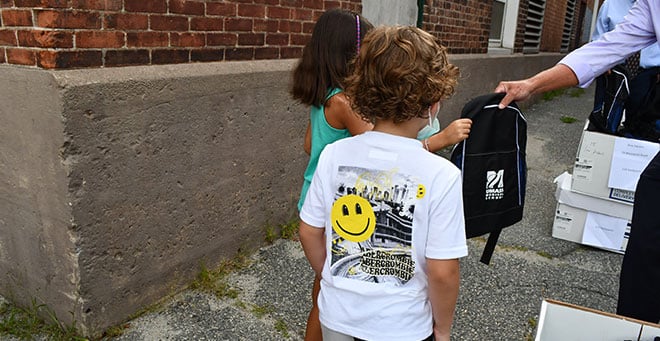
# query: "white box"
x,y
576,212
569,322
608,166
591,171
566,195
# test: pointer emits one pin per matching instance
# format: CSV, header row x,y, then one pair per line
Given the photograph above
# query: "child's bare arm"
x,y
443,291
340,115
457,131
313,243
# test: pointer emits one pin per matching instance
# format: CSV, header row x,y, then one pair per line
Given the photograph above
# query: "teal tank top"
x,y
322,135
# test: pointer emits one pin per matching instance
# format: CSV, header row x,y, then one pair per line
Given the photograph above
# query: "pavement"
x,y
500,301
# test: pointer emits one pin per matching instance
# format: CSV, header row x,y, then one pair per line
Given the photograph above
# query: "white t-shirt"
x,y
386,205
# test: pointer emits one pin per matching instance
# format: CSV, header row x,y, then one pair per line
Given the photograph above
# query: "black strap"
x,y
490,246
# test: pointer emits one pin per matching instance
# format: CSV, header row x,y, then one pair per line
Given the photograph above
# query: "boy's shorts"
x,y
331,335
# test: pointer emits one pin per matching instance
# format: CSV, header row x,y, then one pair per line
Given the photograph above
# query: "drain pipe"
x,y
420,12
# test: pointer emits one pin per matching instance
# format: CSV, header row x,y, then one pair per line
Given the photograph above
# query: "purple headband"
x,y
357,25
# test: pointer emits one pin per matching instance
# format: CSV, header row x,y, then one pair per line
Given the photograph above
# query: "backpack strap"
x,y
490,246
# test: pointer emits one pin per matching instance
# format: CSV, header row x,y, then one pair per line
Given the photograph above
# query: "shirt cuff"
x,y
581,69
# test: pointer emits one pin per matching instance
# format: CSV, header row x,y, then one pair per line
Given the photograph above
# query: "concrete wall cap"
x,y
79,77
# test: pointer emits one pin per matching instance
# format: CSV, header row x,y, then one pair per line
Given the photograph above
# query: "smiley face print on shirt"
x,y
353,218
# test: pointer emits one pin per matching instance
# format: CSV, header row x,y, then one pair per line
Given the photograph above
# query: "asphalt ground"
x,y
500,301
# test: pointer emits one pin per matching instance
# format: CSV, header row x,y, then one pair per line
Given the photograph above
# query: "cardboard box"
x,y
608,166
592,167
606,222
566,195
569,322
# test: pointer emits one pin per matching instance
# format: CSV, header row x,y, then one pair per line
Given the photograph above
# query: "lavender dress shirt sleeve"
x,y
640,28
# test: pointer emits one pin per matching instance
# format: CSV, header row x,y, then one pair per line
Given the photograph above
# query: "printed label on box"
x,y
583,169
629,159
604,231
622,194
563,221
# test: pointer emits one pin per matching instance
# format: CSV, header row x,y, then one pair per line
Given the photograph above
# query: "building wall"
x,y
57,34
38,255
390,12
553,26
520,26
461,25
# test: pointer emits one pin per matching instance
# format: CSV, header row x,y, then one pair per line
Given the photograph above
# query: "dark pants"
x,y
640,88
639,285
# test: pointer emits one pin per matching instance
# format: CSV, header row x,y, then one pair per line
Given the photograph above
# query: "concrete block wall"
x,y
38,241
118,182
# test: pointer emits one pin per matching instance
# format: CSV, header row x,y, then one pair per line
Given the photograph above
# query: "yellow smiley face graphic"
x,y
421,191
353,218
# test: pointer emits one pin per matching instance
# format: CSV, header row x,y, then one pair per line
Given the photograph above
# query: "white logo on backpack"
x,y
495,185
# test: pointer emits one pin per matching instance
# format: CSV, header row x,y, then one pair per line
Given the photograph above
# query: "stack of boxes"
x,y
594,205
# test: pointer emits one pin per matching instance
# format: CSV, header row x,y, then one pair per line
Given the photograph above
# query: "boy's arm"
x,y
313,243
457,131
443,291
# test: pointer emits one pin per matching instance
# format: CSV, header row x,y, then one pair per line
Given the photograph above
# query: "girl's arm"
x,y
456,131
339,115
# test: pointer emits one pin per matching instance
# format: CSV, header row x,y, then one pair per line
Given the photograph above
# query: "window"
x,y
504,19
496,23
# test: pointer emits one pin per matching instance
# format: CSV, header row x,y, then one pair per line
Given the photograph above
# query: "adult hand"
x,y
515,91
556,77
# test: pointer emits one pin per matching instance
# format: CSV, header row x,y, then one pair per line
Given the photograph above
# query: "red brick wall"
x,y
462,26
61,34
520,26
553,25
56,34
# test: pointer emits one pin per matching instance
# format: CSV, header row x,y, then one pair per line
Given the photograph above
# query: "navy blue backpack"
x,y
493,163
612,91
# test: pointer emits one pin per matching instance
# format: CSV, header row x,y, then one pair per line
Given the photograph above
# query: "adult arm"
x,y
443,292
638,30
556,77
313,243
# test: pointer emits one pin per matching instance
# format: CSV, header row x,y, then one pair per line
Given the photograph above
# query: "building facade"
x,y
65,34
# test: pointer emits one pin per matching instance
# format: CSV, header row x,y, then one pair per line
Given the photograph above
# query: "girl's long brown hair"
x,y
326,57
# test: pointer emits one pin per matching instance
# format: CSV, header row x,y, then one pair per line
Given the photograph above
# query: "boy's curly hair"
x,y
399,73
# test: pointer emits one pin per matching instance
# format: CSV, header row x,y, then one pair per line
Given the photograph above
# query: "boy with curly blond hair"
x,y
383,225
